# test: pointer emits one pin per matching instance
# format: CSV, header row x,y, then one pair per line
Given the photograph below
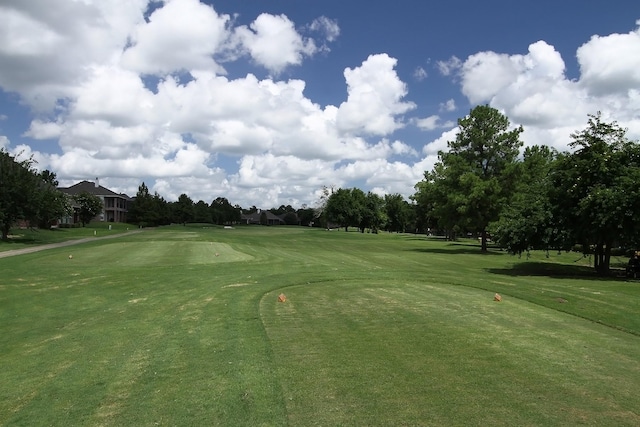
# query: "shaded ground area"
x,y
560,271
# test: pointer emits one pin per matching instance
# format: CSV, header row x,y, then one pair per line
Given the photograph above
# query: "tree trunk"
x,y
483,243
5,232
602,259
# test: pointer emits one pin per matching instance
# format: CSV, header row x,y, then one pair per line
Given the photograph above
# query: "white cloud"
x,y
533,90
450,66
431,123
440,143
129,99
46,45
181,35
375,98
273,42
419,74
448,106
400,148
611,63
328,27
44,130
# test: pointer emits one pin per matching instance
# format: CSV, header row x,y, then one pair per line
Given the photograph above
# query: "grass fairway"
x,y
181,326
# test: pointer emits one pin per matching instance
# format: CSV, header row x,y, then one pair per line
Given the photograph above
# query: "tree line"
x,y
586,199
351,207
151,210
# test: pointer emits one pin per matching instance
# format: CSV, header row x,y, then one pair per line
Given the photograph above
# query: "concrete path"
x,y
5,254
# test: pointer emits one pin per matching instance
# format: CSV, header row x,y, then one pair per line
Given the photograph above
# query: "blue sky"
x,y
264,102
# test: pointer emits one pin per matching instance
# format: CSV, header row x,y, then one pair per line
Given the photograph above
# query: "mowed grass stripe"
x,y
345,350
154,329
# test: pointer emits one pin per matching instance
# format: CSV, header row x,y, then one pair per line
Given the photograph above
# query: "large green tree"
x,y
398,212
473,180
183,209
201,212
527,222
149,210
223,212
88,206
50,204
18,191
142,209
373,215
344,207
595,191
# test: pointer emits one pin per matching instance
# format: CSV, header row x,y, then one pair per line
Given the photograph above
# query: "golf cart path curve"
x,y
5,254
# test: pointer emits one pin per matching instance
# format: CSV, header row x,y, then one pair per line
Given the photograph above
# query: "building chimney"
x,y
97,182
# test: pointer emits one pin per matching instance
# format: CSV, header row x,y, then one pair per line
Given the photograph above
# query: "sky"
x,y
265,102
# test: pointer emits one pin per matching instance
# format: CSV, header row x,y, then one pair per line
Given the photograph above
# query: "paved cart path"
x,y
5,254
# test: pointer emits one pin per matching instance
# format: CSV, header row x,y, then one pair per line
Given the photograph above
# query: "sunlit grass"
x,y
181,326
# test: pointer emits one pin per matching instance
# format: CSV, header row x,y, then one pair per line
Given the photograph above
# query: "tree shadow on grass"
x,y
31,237
556,271
23,240
459,248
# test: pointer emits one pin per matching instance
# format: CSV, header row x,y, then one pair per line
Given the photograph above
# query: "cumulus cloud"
x,y
44,130
611,63
273,42
532,89
181,35
47,45
136,91
375,98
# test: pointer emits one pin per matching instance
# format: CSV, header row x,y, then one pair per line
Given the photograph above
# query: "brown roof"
x,y
91,188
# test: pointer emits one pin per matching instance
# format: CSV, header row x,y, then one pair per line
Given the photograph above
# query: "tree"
x,y
50,204
306,215
201,212
398,212
291,218
472,182
283,210
88,207
595,191
183,209
149,210
344,207
527,222
142,209
425,203
223,212
373,215
320,209
18,191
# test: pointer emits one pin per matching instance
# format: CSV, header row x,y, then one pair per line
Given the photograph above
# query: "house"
x,y
255,218
115,206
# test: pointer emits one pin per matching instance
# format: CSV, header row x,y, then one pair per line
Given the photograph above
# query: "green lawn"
x,y
181,326
29,237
